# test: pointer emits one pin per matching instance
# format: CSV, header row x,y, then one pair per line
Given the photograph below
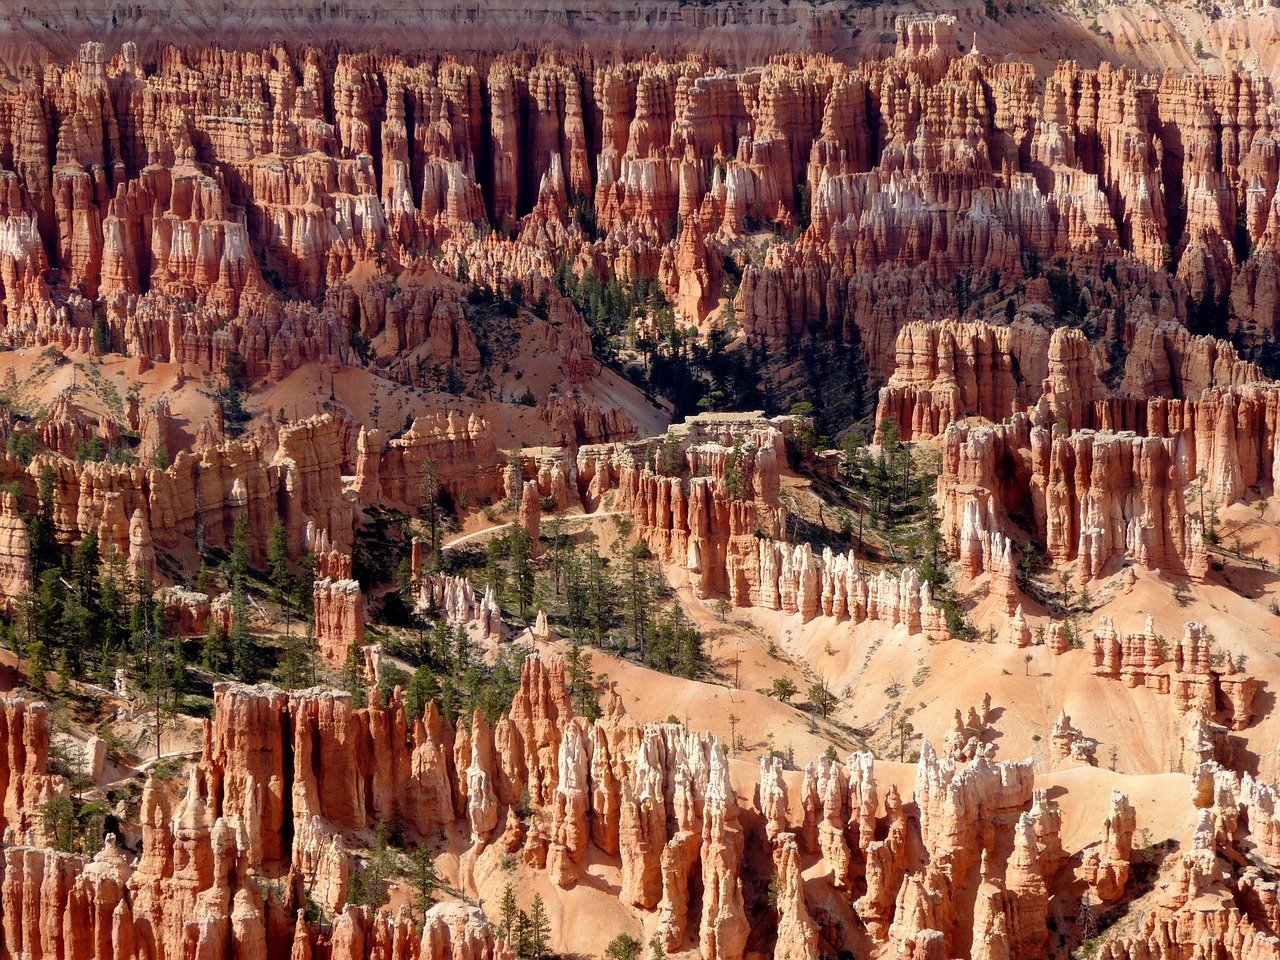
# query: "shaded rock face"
x,y
339,618
1093,496
294,477
1101,477
25,783
946,370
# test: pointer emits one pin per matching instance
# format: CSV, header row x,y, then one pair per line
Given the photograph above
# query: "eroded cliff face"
x,y
947,371
293,208
293,473
158,208
25,783
286,779
1101,479
1096,472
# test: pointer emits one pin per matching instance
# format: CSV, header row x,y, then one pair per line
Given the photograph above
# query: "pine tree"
x,y
239,567
507,911
639,596
39,663
522,577
556,539
582,682
303,586
75,632
62,684
422,689
601,598
297,667
539,928
215,652
278,561
425,880
821,697
40,524
111,628
58,822
353,677
367,885
244,651
575,595
84,571
522,943
735,475
178,670
430,488
623,947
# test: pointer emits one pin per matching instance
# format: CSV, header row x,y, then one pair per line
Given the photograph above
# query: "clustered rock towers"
x,y
212,177
1103,475
156,209
285,779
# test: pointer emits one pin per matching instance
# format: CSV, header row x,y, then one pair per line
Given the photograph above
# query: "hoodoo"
x,y
718,481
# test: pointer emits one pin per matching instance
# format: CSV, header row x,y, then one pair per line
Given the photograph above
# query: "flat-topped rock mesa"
x,y
704,498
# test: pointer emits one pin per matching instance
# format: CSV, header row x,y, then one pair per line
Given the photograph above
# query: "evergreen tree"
x,y
430,488
522,578
303,586
521,941
821,697
40,524
557,542
62,685
244,650
582,682
601,598
75,634
178,671
539,928
111,627
623,947
495,568
58,821
507,911
575,595
422,689
677,647
639,594
47,610
239,567
735,473
278,561
367,885
39,663
425,880
353,676
215,652
84,572
297,668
